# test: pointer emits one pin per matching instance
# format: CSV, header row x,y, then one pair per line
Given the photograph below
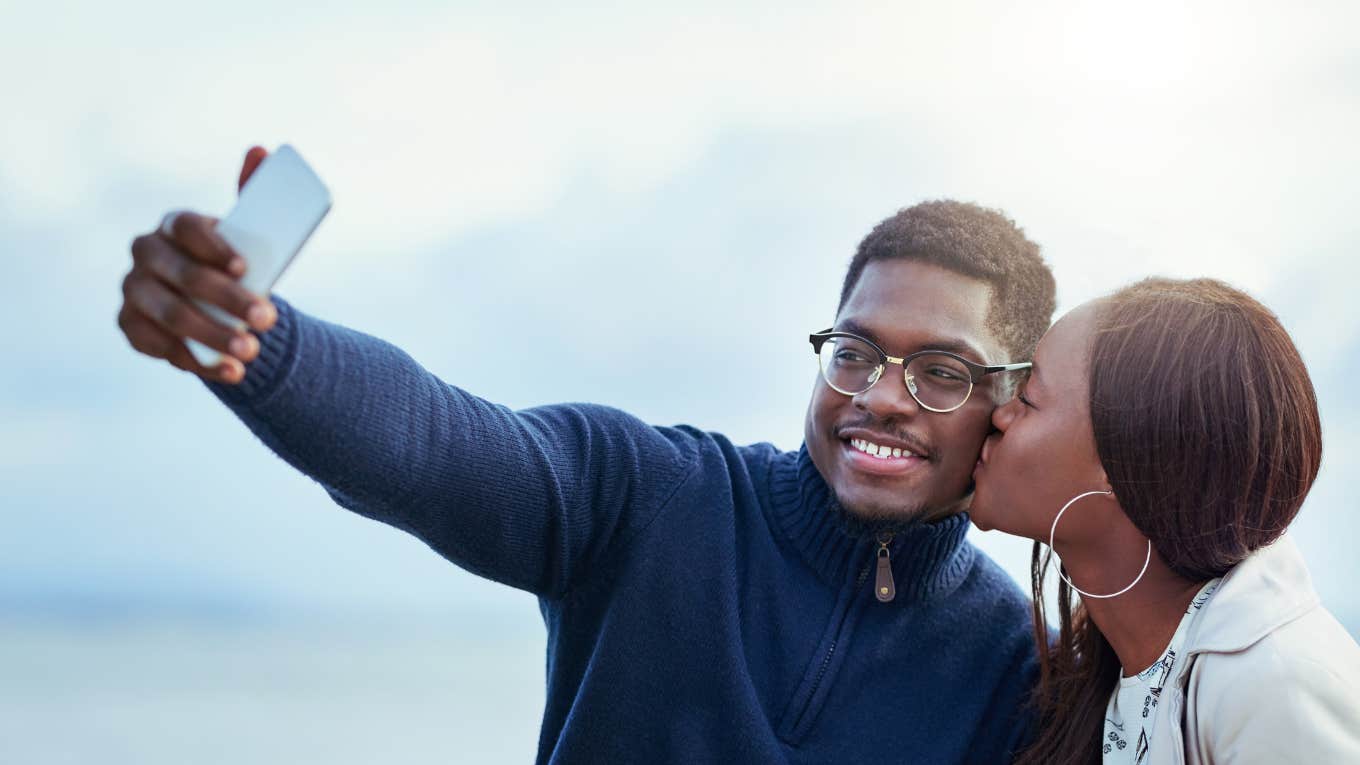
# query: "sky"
x,y
648,208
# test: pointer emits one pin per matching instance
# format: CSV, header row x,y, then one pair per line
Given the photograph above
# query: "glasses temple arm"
x,y
1006,367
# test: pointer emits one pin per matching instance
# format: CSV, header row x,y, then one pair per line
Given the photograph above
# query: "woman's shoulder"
x,y
1313,640
1265,614
1296,691
1264,632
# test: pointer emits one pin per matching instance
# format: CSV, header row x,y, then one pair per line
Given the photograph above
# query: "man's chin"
x,y
869,518
899,512
872,511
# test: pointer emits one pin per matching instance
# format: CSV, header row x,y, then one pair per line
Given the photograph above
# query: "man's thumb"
x,y
254,157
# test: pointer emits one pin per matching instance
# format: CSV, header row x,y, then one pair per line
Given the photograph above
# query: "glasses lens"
x,y
938,381
849,365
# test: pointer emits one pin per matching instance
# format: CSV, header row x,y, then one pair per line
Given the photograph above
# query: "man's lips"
x,y
910,444
880,454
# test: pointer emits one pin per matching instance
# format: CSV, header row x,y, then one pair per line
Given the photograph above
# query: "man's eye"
x,y
946,373
1023,400
851,357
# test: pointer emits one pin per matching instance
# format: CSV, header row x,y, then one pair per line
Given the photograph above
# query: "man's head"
x,y
945,276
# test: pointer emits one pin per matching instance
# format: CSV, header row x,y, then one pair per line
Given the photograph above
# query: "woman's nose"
x,y
1004,415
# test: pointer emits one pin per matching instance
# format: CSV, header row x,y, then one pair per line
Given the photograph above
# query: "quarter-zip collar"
x,y
927,559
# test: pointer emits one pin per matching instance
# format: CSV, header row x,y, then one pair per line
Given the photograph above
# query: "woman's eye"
x,y
1023,400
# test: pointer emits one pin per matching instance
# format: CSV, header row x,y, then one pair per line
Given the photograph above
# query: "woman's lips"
x,y
986,449
988,444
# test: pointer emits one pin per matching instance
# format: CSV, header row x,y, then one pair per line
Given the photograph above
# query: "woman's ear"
x,y
1103,481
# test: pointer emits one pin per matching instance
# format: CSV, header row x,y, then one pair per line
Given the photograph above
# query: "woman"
x,y
1163,442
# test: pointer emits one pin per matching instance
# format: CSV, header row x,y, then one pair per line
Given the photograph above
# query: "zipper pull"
x,y
884,587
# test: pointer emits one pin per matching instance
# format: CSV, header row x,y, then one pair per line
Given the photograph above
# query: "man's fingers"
x,y
182,272
228,370
143,334
151,339
197,235
254,157
201,282
160,256
175,314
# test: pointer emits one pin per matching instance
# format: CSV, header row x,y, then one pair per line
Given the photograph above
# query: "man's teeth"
x,y
875,450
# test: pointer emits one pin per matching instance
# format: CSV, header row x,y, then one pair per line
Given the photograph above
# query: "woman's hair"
x,y
1206,424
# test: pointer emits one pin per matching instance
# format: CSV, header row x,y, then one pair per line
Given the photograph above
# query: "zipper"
x,y
831,650
885,589
884,570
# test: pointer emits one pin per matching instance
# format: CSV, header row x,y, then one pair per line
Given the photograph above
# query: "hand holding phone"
x,y
279,207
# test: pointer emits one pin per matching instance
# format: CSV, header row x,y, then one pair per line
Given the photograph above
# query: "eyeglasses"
x,y
939,380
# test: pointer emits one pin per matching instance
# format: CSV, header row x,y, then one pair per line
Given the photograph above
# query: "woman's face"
x,y
1044,453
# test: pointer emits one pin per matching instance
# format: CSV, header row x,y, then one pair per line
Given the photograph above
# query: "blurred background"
x,y
648,208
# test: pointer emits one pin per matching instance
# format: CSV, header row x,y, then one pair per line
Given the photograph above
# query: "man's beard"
x,y
875,522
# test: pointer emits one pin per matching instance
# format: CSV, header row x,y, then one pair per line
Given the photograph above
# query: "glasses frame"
x,y
976,371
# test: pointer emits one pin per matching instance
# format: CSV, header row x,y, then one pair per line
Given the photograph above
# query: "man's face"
x,y
905,306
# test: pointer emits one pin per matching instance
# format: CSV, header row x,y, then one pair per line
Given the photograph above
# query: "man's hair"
x,y
973,241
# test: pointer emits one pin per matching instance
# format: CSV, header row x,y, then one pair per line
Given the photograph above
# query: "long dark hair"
x,y
1207,427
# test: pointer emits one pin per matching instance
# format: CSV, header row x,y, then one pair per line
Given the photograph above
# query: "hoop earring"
x,y
1084,593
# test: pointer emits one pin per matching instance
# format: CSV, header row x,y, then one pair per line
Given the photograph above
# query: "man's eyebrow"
x,y
855,328
960,347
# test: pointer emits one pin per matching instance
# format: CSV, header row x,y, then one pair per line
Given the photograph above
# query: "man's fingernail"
x,y
241,346
231,370
236,266
260,314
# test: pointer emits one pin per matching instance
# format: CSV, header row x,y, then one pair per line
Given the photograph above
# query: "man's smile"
x,y
880,454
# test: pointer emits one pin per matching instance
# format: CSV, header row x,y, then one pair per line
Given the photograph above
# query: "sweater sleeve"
x,y
532,499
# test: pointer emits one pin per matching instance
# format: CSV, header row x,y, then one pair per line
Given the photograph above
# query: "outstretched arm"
x,y
530,498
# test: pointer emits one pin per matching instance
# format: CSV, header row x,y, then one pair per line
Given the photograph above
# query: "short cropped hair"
x,y
973,241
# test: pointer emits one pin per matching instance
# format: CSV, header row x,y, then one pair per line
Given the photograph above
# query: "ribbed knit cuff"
x,y
278,350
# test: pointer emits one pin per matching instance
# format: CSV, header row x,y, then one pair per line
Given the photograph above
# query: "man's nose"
x,y
888,396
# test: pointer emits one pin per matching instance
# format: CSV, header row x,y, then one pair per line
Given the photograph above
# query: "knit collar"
x,y
928,559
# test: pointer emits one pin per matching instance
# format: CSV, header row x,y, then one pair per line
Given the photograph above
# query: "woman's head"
x,y
1187,399
1205,420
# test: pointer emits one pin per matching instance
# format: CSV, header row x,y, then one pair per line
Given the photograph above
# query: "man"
x,y
704,602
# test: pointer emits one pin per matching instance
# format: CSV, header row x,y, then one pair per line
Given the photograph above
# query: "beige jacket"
x,y
1269,676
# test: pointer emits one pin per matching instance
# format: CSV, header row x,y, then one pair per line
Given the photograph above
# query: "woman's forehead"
x,y
1064,351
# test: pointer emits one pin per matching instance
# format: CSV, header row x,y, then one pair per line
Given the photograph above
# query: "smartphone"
x,y
278,209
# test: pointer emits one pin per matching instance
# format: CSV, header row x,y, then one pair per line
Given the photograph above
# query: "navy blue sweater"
x,y
703,602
